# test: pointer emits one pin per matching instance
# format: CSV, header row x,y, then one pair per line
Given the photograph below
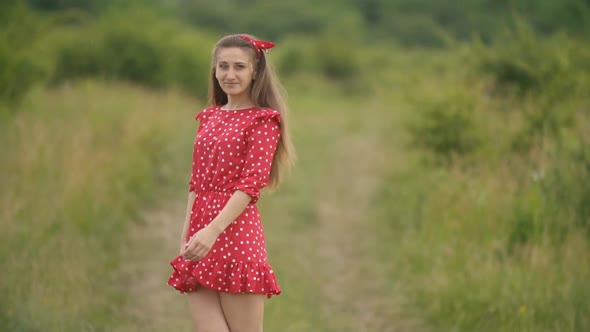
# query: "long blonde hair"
x,y
266,92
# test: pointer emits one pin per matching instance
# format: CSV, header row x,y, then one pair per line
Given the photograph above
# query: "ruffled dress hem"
x,y
223,276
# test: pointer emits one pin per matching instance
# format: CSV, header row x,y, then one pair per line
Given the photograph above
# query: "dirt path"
x,y
153,305
355,293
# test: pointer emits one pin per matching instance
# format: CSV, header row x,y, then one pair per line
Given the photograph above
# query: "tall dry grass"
x,y
78,164
496,238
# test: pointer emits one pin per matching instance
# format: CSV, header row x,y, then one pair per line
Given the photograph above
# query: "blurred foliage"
x,y
125,52
19,69
265,18
139,41
524,62
413,22
544,118
555,204
446,128
18,73
65,45
547,76
565,195
53,5
84,160
509,214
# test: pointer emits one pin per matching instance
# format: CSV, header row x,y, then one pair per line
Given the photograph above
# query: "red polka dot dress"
x,y
233,150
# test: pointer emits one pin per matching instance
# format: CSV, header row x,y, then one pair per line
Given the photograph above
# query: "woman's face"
x,y
234,71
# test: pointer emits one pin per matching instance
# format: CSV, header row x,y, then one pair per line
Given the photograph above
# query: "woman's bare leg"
x,y
206,312
243,312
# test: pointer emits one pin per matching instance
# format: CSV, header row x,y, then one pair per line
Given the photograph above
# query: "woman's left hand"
x,y
200,244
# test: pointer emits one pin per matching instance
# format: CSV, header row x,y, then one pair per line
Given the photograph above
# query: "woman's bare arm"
x,y
200,244
187,219
234,207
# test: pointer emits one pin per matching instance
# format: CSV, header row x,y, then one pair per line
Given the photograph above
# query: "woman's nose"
x,y
231,73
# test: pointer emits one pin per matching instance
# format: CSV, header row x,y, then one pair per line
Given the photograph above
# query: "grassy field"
x,y
497,239
373,231
79,163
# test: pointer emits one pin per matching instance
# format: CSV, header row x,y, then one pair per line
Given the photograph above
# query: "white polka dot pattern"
x,y
233,150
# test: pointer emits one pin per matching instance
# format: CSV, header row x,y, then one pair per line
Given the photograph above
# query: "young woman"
x,y
241,146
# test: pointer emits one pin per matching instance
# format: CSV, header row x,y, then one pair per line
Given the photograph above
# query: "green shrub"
x,y
523,63
160,56
188,63
132,56
337,59
78,58
18,72
115,54
417,30
445,128
20,68
294,56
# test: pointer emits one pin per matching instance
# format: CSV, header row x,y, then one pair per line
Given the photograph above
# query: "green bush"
x,y
20,68
294,56
132,45
445,128
155,57
113,53
263,18
417,30
523,63
134,57
78,58
188,63
18,72
337,59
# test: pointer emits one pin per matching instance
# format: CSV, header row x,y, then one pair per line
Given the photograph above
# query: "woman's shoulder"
x,y
206,112
256,114
267,113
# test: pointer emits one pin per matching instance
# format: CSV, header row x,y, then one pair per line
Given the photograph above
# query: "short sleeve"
x,y
262,141
203,115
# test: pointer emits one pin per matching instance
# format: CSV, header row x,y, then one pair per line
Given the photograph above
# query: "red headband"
x,y
258,44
